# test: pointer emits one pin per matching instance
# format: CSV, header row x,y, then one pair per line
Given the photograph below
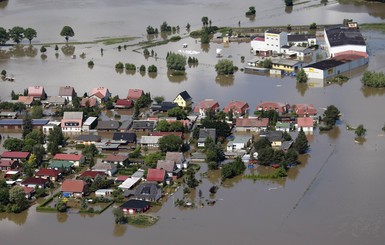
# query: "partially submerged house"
x,y
183,99
148,191
67,92
204,134
238,108
74,188
205,106
72,121
76,159
251,124
37,92
135,94
133,206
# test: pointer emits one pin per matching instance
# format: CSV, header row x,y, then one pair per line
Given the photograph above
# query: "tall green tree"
x,y
176,61
16,34
17,199
30,34
301,144
205,20
55,138
170,143
331,115
13,144
27,125
301,76
4,36
177,112
37,112
225,67
67,32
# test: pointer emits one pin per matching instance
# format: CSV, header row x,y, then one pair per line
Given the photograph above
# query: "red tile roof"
x,y
35,91
305,122
134,94
68,157
207,104
27,100
116,158
157,175
15,154
71,185
6,163
92,174
236,106
121,178
252,122
48,172
91,102
266,106
262,39
305,109
28,190
34,181
125,103
100,92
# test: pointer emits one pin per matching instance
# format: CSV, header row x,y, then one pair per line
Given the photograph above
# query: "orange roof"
x,y
252,122
206,104
25,99
134,94
72,185
236,106
157,175
305,122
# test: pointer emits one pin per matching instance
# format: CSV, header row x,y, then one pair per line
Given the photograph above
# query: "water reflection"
x,y
31,51
302,88
205,47
68,50
176,78
225,80
368,91
119,230
3,4
152,75
18,219
334,133
288,9
61,217
43,56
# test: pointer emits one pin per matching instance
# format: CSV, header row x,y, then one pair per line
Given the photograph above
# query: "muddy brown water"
x,y
334,197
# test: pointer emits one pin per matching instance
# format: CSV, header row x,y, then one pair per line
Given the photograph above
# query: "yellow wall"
x,y
282,67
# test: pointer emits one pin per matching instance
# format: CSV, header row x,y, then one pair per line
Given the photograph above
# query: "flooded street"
x,y
335,196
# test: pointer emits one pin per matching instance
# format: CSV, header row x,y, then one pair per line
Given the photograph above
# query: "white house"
x,y
272,41
306,123
240,143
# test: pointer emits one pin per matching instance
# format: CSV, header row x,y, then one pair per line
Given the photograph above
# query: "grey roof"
x,y
135,204
67,91
242,139
325,64
274,135
100,165
143,125
185,95
299,37
164,106
286,62
340,35
73,115
8,114
108,125
125,136
88,137
274,31
56,100
150,139
126,124
147,191
167,165
19,122
177,157
89,121
286,145
205,133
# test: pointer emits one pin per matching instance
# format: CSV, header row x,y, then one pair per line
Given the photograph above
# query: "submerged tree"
x,y
30,34
67,32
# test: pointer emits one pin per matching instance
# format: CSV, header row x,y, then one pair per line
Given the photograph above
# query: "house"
x,y
148,191
74,188
124,138
133,206
88,139
48,128
156,175
283,126
8,115
164,106
126,125
61,165
123,104
275,137
251,124
305,110
26,100
15,155
101,94
168,165
179,134
110,125
178,158
204,134
183,99
103,192
281,108
129,183
297,51
13,174
106,167
306,123
135,94
240,143
49,174
301,39
149,141
143,125
18,124
76,159
72,121
92,174
37,92
56,101
35,182
206,105
286,145
116,159
28,191
239,108
8,165
286,64
340,38
271,42
67,92
89,124
89,102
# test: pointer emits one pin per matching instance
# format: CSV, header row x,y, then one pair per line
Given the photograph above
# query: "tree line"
x,y
17,34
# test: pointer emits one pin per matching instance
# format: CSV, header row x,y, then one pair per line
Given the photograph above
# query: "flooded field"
x,y
334,197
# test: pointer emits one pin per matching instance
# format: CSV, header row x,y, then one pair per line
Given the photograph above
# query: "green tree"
x,y
16,34
39,152
331,115
165,27
205,37
4,73
313,26
225,67
27,125
43,49
251,11
136,112
176,127
119,216
37,112
55,138
13,144
90,151
301,144
91,63
61,206
233,169
176,61
170,143
67,32
4,195
142,68
360,130
266,156
4,36
301,76
17,199
162,126
159,99
286,136
289,3
177,112
152,68
36,135
153,158
191,181
205,20
30,34
119,66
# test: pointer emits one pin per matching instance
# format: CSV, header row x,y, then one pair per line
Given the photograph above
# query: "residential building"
x,y
275,137
148,191
239,108
305,110
17,124
178,158
283,126
281,108
123,104
89,124
206,105
124,137
61,165
239,144
109,125
156,175
74,188
49,174
48,128
306,123
286,64
15,155
164,106
92,174
117,159
101,94
8,165
135,94
133,206
26,100
88,139
34,182
251,124
106,167
67,92
126,125
55,101
204,134
143,125
76,159
89,102
149,141
272,42
183,99
8,114
168,165
72,121
37,92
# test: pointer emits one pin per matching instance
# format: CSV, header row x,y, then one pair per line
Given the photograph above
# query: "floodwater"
x,y
334,197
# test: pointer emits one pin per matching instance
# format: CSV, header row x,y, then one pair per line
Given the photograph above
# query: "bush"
x,y
79,146
119,66
90,63
130,67
142,68
175,38
225,67
152,68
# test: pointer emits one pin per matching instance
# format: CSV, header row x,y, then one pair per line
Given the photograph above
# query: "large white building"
x,y
340,39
